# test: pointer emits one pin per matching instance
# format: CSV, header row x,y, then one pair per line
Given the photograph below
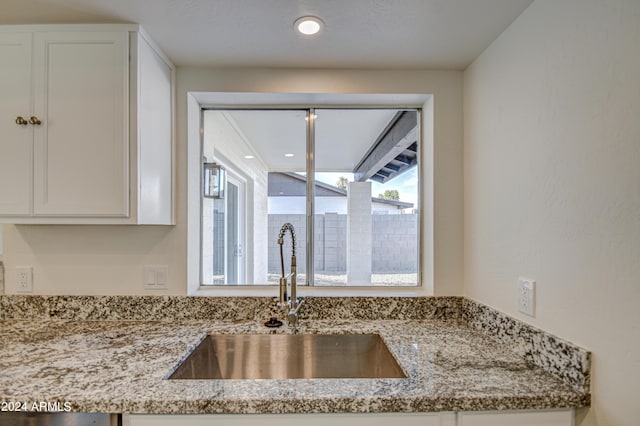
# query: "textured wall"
x,y
394,247
359,230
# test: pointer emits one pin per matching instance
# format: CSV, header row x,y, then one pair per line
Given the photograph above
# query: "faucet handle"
x,y
295,304
293,315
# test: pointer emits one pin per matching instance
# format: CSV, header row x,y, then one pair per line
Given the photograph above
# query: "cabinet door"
x,y
563,417
81,164
346,419
15,139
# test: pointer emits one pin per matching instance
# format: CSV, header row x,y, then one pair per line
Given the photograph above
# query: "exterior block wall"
x,y
394,243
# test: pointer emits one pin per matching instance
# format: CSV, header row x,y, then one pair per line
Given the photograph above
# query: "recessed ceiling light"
x,y
249,157
308,25
288,155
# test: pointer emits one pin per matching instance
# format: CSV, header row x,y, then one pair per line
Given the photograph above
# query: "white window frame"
x,y
197,101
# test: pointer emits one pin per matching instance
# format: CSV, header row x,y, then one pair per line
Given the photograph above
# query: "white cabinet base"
x,y
563,417
347,419
515,418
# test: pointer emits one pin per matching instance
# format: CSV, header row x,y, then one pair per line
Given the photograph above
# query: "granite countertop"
x,y
121,366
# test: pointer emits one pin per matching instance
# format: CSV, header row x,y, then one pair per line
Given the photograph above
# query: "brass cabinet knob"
x,y
34,120
21,121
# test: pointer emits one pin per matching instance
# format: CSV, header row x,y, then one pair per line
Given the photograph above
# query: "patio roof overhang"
x,y
393,152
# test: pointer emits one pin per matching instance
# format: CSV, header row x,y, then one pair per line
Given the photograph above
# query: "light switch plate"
x,y
156,277
526,296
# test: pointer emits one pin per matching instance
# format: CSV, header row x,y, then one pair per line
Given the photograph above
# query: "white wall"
x,y
322,205
298,205
93,260
109,260
552,184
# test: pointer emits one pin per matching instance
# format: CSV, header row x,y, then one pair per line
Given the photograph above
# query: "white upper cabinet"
x,y
95,143
16,147
81,98
153,128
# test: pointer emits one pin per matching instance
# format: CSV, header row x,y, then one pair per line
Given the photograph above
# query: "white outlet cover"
x,y
527,296
24,279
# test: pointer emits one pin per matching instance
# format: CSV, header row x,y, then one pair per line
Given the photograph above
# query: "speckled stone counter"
x,y
106,365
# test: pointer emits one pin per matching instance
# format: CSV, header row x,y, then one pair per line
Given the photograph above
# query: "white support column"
x,y
359,233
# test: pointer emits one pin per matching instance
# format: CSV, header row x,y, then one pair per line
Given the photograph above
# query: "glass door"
x,y
235,231
225,236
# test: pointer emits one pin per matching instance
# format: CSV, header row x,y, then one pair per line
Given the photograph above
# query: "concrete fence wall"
x,y
394,243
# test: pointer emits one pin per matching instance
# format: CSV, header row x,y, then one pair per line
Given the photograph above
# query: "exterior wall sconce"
x,y
214,180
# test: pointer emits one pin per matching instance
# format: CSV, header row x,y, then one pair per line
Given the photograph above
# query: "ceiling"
x,y
436,34
342,136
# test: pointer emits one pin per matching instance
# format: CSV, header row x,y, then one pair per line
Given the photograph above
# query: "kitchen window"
x,y
320,274
357,219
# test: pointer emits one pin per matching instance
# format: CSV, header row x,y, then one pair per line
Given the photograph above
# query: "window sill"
x,y
303,291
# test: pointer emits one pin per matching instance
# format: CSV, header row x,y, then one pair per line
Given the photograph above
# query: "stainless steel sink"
x,y
289,356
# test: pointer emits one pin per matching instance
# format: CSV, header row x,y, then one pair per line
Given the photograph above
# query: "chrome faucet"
x,y
291,302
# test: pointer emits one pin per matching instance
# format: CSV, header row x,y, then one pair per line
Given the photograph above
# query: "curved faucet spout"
x,y
287,227
284,300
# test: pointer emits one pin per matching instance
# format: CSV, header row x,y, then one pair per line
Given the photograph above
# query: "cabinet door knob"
x,y
21,121
34,120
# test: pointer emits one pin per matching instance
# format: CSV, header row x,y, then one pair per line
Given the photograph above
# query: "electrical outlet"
x,y
526,296
24,277
156,277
